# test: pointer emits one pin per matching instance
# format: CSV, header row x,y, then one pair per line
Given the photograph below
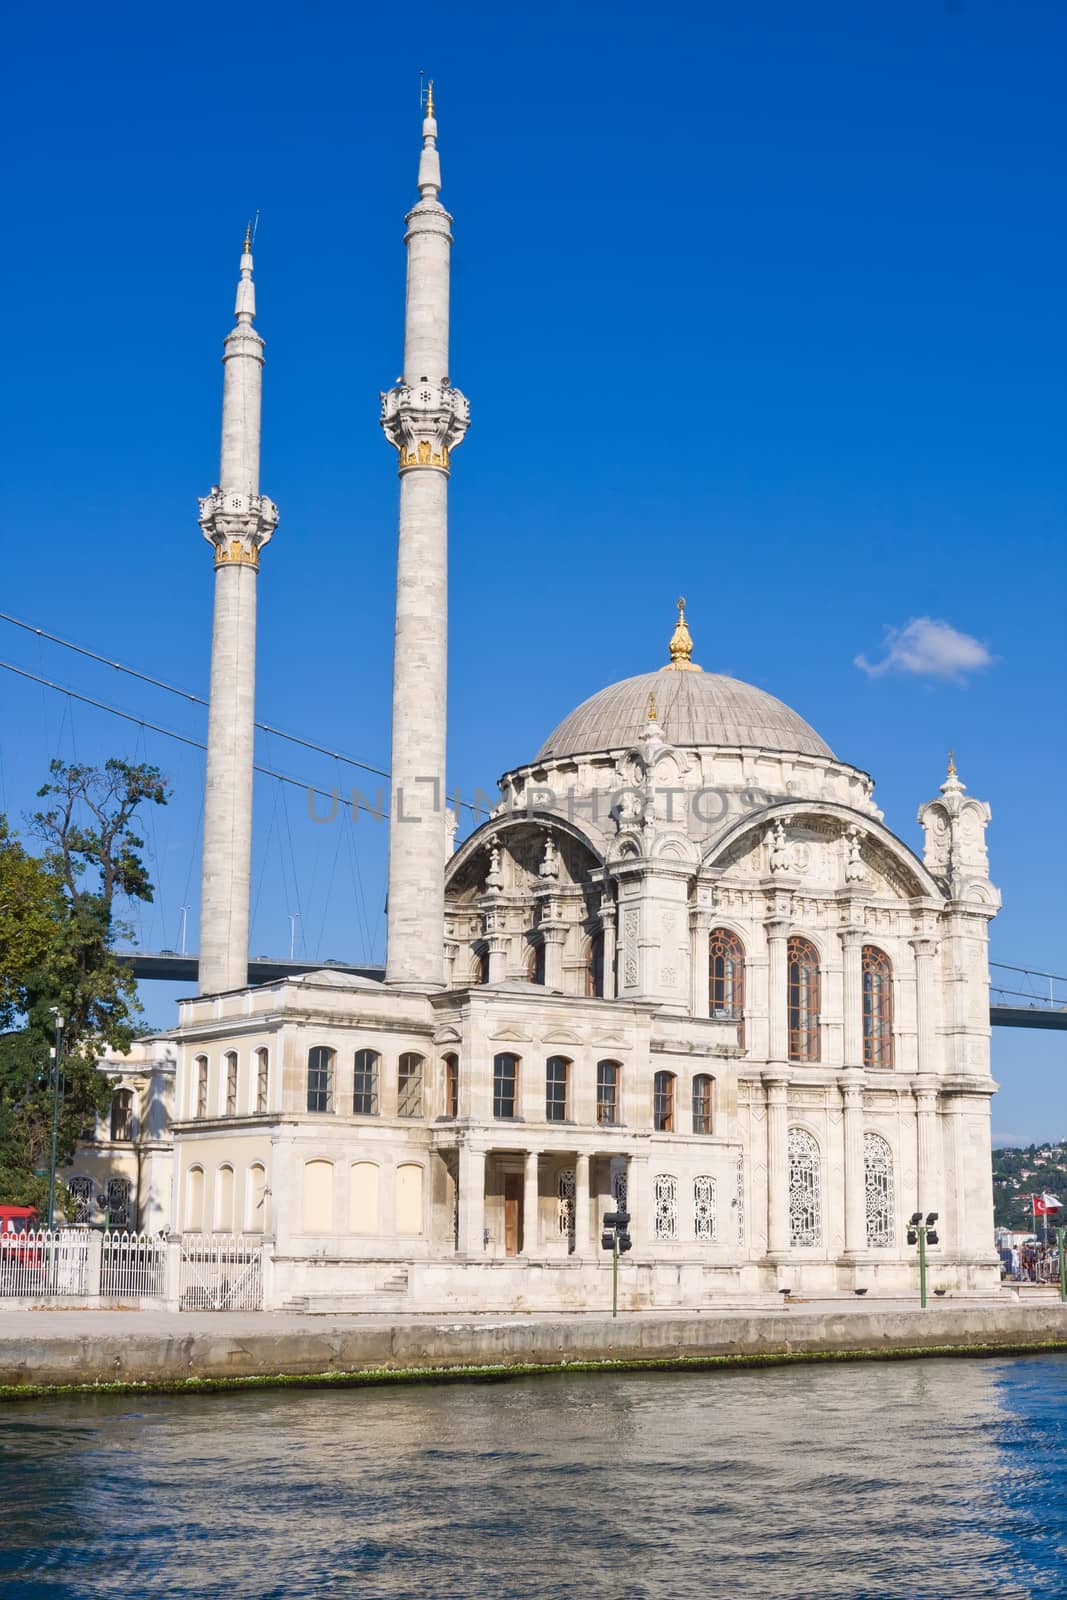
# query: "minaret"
x,y
425,418
237,522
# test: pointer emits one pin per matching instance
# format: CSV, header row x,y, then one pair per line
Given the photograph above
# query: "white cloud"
x,y
928,648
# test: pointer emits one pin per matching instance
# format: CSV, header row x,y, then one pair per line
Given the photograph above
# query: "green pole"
x,y
1063,1264
922,1265
615,1272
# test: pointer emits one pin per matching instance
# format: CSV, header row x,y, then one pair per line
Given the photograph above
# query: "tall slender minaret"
x,y
425,418
237,521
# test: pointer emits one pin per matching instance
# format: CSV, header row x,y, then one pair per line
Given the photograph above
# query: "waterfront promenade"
x,y
56,1347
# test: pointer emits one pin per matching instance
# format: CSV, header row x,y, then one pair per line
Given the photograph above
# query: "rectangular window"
x,y
201,1086
409,1086
505,1085
365,1085
231,1083
702,1092
663,1102
556,1073
451,1086
262,1079
320,1079
607,1091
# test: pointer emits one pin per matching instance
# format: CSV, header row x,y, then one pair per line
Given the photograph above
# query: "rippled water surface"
x,y
859,1482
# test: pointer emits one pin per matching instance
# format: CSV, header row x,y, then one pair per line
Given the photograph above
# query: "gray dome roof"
x,y
695,709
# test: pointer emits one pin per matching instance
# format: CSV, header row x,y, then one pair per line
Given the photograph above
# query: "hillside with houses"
x,y
1020,1173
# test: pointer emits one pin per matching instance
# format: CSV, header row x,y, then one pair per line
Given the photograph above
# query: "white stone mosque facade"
x,y
684,968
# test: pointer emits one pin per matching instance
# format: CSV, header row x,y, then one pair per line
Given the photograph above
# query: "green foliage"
x,y
1045,1169
58,930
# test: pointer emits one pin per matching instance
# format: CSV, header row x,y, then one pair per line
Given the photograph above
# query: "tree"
x,y
65,959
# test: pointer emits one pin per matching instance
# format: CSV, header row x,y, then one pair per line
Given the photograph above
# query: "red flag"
x,y
1044,1204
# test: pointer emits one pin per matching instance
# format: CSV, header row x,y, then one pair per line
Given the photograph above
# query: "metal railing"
x,y
45,1263
133,1265
220,1272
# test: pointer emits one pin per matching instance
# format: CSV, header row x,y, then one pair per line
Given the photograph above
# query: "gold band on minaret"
x,y
429,98
681,644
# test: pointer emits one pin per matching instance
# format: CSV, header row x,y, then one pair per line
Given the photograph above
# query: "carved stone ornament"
x,y
425,421
549,867
494,878
779,849
237,526
854,868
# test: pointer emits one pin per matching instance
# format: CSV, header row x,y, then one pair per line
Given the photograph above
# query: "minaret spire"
x,y
237,521
425,418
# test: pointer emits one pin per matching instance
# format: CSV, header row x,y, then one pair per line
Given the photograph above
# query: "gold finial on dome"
x,y
429,98
682,644
952,763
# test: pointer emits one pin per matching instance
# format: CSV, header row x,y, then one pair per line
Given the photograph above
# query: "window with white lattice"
x,y
81,1199
805,1188
878,1186
566,1190
665,1198
705,1225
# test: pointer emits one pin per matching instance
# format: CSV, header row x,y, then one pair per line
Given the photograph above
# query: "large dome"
x,y
694,709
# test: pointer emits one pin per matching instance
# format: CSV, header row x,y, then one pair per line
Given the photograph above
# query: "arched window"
x,y
665,1197
363,1198
594,966
703,1096
122,1115
82,1198
805,1189
480,967
201,1086
318,1196
224,1200
803,999
877,1008
262,1080
256,1199
409,1085
566,1190
320,1079
878,1185
557,1078
705,1220
607,1092
194,1200
726,974
505,1084
409,1181
231,1083
365,1083
535,964
451,1108
663,1102
117,1207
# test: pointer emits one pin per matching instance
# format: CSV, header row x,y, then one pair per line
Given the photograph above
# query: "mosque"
x,y
684,970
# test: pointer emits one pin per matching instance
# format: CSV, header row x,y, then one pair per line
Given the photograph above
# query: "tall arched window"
x,y
557,1082
201,1086
82,1199
231,1083
318,1196
194,1200
451,1107
409,1085
117,1207
726,974
805,1188
122,1115
320,1079
877,1008
879,1189
505,1084
703,1095
535,963
365,1083
803,999
663,1102
480,967
262,1080
607,1092
224,1190
665,1199
594,966
256,1198
705,1219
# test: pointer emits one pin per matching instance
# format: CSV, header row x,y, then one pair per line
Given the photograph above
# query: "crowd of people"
x,y
1033,1261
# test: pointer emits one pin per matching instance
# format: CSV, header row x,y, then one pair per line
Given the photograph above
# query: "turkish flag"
x,y
1044,1204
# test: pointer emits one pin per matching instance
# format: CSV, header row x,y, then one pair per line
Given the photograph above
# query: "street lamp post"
x,y
56,1049
616,1239
922,1233
1061,1230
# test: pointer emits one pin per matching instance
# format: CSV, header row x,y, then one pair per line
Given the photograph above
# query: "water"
x,y
862,1482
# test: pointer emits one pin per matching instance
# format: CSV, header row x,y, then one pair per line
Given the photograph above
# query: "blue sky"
x,y
759,303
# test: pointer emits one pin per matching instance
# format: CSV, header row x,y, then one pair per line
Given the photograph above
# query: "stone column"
x,y
777,977
498,956
852,999
237,522
581,1205
472,1202
855,1171
607,923
531,1207
554,935
699,963
425,418
777,1087
928,1151
925,951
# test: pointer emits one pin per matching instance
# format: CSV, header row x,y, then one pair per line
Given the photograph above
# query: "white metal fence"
x,y
133,1265
46,1262
220,1272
